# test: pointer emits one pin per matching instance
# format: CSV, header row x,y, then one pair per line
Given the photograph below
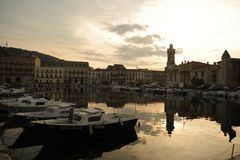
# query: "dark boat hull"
x,y
86,149
45,133
83,149
17,109
23,121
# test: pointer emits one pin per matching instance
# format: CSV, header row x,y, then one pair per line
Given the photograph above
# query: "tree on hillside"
x,y
197,81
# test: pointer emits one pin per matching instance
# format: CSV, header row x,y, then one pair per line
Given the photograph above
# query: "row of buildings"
x,y
28,69
80,73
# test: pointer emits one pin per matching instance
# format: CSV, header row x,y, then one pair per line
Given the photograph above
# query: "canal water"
x,y
170,127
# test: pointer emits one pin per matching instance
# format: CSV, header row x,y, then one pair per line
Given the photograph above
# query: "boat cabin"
x,y
87,116
55,109
32,102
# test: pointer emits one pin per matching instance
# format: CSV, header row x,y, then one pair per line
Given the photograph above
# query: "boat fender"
x,y
90,130
120,121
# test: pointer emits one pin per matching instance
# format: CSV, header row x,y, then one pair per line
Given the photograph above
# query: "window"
x,y
26,101
77,118
40,103
92,119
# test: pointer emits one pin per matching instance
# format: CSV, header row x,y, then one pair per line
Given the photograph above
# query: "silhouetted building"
x,y
229,74
226,72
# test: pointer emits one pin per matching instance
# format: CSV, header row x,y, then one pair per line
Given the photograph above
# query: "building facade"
x,y
18,69
229,73
49,75
104,76
225,73
118,74
76,72
94,76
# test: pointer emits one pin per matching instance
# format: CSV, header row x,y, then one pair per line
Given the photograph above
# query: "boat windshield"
x,y
26,101
93,119
64,112
77,118
40,103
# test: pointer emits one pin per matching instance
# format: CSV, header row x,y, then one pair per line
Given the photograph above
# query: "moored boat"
x,y
83,149
27,104
82,125
61,110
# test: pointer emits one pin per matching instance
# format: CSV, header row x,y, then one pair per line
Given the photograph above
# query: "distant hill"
x,y
46,60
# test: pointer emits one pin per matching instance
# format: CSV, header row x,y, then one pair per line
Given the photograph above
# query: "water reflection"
x,y
62,150
160,117
224,112
89,150
82,96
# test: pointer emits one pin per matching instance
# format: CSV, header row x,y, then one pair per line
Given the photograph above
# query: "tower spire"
x,y
171,56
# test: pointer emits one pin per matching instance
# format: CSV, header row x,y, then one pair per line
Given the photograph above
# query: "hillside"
x,y
46,60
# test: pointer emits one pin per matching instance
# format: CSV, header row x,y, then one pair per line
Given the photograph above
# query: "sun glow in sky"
x,y
135,33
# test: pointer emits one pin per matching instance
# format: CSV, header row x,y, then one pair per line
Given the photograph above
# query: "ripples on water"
x,y
170,128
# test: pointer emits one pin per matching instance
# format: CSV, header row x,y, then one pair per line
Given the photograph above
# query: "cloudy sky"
x,y
135,33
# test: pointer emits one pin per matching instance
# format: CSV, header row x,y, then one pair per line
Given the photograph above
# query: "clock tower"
x,y
170,56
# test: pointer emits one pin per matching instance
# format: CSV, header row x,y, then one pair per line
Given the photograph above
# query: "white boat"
x,y
18,90
216,91
81,125
4,92
61,110
27,104
235,93
11,92
12,100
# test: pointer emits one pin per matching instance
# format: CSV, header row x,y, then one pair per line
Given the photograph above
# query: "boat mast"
x,y
70,115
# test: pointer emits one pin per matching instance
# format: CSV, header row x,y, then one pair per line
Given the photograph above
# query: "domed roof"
x,y
225,55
